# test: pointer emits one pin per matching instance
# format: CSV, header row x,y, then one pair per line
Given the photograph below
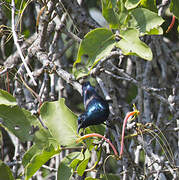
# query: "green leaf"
x,y
174,7
130,44
22,123
111,177
115,13
33,151
38,160
64,170
76,161
61,121
96,44
19,121
82,166
155,31
80,71
5,172
6,98
37,149
149,4
108,11
43,138
123,14
90,178
100,129
145,20
130,4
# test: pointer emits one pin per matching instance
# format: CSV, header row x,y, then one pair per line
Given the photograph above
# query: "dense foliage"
x,y
49,48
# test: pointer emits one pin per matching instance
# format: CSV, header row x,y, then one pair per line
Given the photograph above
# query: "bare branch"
x,y
17,44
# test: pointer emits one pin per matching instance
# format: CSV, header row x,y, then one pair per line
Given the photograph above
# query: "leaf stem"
x,y
128,115
171,24
102,137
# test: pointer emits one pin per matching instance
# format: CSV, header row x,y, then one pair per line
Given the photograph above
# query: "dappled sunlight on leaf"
x,y
6,98
131,44
61,121
96,44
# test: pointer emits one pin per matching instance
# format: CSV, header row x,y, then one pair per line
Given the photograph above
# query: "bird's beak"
x,y
79,127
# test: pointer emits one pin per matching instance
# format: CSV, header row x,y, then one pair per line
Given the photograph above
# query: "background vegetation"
x,y
48,47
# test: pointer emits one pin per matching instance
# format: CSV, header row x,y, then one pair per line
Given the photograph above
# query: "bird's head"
x,y
86,86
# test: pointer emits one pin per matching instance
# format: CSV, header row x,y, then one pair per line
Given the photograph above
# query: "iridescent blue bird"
x,y
96,108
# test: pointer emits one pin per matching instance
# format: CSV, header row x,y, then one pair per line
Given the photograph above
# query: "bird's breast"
x,y
97,109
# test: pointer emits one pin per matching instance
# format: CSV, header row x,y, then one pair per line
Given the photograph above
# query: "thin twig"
x,y
147,89
17,44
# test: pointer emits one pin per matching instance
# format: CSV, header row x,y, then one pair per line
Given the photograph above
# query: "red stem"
x,y
171,24
123,130
100,136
